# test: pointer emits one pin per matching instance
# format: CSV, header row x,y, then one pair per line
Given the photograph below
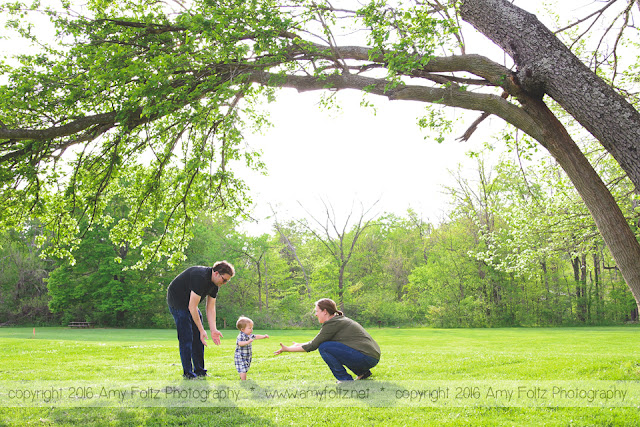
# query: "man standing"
x,y
183,296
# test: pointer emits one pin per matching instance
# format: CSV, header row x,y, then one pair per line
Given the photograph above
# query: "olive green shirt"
x,y
345,331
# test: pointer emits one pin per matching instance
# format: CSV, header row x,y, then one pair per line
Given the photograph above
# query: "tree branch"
x,y
491,104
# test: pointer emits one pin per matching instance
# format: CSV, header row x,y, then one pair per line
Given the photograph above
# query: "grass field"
x,y
482,359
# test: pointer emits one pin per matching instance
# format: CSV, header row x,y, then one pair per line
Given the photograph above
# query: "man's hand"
x,y
215,336
203,337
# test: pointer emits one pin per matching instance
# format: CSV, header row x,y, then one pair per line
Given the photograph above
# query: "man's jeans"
x,y
338,355
191,348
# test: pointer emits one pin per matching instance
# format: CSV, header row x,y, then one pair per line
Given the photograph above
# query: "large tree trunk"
x,y
605,211
547,66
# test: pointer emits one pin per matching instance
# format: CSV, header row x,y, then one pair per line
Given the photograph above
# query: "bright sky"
x,y
356,155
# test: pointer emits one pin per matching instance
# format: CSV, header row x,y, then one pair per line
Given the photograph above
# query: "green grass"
x,y
438,356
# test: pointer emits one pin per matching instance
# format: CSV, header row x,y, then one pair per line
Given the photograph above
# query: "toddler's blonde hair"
x,y
243,322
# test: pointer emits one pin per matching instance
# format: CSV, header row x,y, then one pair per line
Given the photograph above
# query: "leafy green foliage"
x,y
163,96
23,290
165,85
405,36
101,287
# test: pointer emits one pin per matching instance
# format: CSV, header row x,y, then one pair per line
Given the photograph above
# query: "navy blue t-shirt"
x,y
196,279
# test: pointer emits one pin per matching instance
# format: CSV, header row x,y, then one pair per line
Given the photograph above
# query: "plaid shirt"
x,y
242,357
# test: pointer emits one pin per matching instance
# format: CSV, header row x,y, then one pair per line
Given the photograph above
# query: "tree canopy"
x,y
160,93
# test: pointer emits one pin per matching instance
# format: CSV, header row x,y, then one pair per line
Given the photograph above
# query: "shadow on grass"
x,y
131,416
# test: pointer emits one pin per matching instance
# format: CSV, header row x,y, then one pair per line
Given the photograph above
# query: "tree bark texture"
x,y
547,66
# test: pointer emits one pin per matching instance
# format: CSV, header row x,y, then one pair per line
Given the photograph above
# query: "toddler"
x,y
243,345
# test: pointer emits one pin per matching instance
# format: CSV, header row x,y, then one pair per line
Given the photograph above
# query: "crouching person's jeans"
x,y
191,348
337,355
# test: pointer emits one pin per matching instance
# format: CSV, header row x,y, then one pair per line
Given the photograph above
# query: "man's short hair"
x,y
224,267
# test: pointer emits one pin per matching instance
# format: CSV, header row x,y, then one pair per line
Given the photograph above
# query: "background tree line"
x,y
518,247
